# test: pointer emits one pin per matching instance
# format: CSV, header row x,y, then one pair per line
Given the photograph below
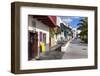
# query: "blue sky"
x,y
71,20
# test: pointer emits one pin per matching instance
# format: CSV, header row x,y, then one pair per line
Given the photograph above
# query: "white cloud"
x,y
67,20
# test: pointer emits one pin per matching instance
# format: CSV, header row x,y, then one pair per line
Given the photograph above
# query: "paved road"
x,y
76,50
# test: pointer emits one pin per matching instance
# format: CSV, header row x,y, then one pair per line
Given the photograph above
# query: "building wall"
x,y
58,21
40,27
53,41
61,35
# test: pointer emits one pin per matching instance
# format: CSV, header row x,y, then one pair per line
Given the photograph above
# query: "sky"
x,y
71,20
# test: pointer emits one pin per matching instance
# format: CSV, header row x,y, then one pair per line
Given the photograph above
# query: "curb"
x,y
64,48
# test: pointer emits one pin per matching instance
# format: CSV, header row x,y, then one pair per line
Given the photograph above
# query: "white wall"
x,y
62,33
5,33
58,21
40,27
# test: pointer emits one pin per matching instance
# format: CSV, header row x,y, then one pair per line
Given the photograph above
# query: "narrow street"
x,y
76,49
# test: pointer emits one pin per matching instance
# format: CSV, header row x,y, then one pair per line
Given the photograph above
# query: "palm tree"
x,y
83,26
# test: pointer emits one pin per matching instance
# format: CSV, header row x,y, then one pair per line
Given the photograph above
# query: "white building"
x,y
42,30
67,27
39,34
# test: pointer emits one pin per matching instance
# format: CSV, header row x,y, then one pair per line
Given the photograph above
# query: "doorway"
x,y
32,45
44,38
42,42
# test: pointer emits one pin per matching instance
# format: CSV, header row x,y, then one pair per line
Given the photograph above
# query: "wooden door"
x,y
33,45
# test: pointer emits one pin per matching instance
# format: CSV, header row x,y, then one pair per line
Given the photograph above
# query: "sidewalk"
x,y
53,53
76,50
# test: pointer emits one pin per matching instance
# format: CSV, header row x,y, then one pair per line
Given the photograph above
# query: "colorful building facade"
x,y
45,32
39,34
